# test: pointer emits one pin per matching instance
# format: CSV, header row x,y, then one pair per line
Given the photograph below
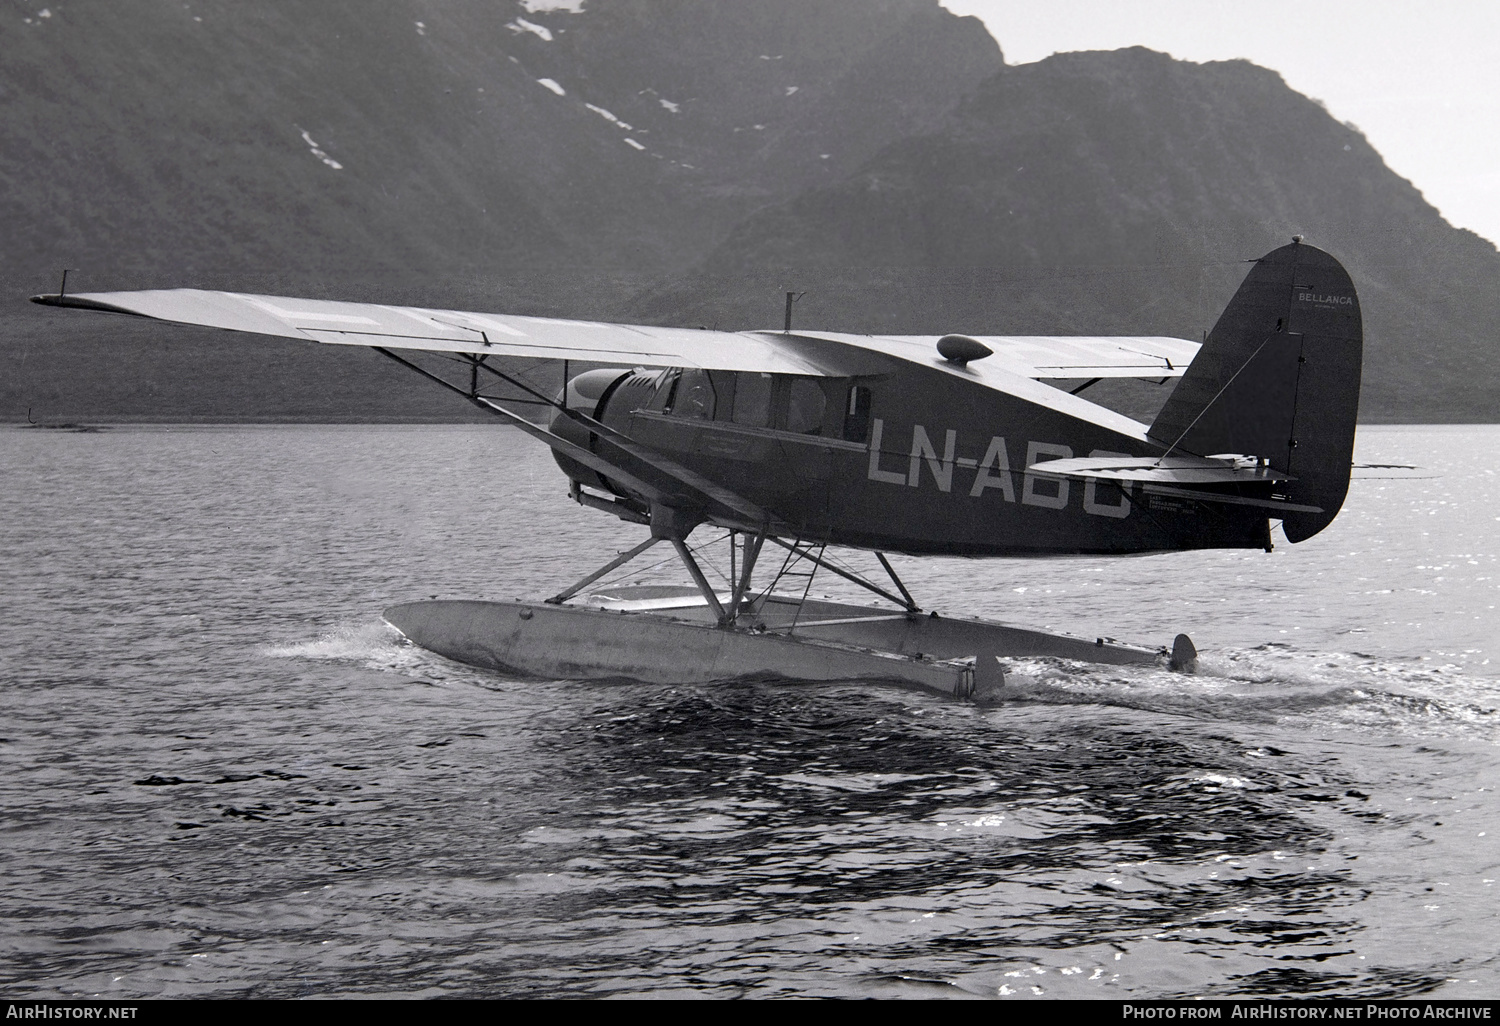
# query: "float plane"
x,y
924,445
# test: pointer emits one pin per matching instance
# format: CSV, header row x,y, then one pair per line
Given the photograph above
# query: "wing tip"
x,y
80,303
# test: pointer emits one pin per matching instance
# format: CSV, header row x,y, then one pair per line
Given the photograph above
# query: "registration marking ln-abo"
x,y
992,470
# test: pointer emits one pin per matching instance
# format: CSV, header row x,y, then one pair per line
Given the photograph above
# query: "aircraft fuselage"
x,y
921,462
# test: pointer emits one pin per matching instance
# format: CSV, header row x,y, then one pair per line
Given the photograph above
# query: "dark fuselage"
x,y
919,460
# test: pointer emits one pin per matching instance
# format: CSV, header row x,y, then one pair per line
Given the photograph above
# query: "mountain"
x,y
424,137
475,153
1121,192
677,161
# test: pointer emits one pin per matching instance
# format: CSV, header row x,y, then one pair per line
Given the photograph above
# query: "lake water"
x,y
223,775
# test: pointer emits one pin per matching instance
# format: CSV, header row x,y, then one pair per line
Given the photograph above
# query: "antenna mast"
x,y
791,297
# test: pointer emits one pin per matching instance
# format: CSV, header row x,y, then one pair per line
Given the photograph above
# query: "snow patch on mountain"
x,y
607,116
632,142
522,25
317,151
421,28
550,84
673,107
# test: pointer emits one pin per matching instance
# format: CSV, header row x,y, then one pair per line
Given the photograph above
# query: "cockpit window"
x,y
695,396
665,384
752,400
857,415
805,406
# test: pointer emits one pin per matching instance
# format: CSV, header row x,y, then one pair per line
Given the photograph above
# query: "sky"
x,y
1420,78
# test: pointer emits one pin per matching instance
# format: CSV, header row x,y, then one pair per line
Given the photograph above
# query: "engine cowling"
x,y
587,393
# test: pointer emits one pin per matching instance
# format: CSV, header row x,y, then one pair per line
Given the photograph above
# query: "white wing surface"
x,y
457,331
1051,356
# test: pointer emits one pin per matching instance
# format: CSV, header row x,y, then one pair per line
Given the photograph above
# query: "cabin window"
x,y
805,405
724,393
695,396
857,415
752,400
666,392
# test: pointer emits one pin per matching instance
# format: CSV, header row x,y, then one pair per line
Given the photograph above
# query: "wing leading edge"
x,y
545,338
455,331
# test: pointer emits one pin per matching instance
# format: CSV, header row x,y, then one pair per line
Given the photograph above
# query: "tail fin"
x,y
1279,377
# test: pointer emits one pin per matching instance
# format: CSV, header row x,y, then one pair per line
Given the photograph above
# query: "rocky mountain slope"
x,y
1121,192
477,153
431,136
680,161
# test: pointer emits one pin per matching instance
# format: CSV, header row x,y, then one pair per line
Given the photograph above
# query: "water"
x,y
222,775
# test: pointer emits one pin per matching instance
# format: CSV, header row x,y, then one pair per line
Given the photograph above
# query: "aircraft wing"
x,y
547,338
1049,356
455,331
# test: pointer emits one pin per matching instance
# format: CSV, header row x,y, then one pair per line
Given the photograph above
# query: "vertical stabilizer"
x,y
1279,377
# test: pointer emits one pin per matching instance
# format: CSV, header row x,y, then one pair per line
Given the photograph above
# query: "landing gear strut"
x,y
743,556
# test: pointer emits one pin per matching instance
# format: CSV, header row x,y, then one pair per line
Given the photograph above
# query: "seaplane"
x,y
799,441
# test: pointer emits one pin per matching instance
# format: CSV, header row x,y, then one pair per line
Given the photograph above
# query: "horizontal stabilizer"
x,y
1183,470
1392,472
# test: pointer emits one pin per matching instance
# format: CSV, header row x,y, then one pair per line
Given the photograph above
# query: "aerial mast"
x,y
791,297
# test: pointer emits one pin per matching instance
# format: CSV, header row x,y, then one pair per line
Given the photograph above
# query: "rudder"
x,y
1279,377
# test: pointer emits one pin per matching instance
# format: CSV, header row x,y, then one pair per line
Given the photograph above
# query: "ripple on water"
x,y
226,776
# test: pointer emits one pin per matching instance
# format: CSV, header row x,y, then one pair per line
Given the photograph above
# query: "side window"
x,y
724,393
805,405
857,415
666,392
752,400
695,396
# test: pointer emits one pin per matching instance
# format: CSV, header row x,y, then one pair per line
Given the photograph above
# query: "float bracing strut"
x,y
618,561
742,583
906,603
911,604
698,578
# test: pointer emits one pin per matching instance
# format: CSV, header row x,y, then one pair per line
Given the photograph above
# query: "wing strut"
x,y
701,491
655,461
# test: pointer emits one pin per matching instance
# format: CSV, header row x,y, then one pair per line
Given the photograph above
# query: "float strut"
x,y
911,604
698,578
618,561
742,584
